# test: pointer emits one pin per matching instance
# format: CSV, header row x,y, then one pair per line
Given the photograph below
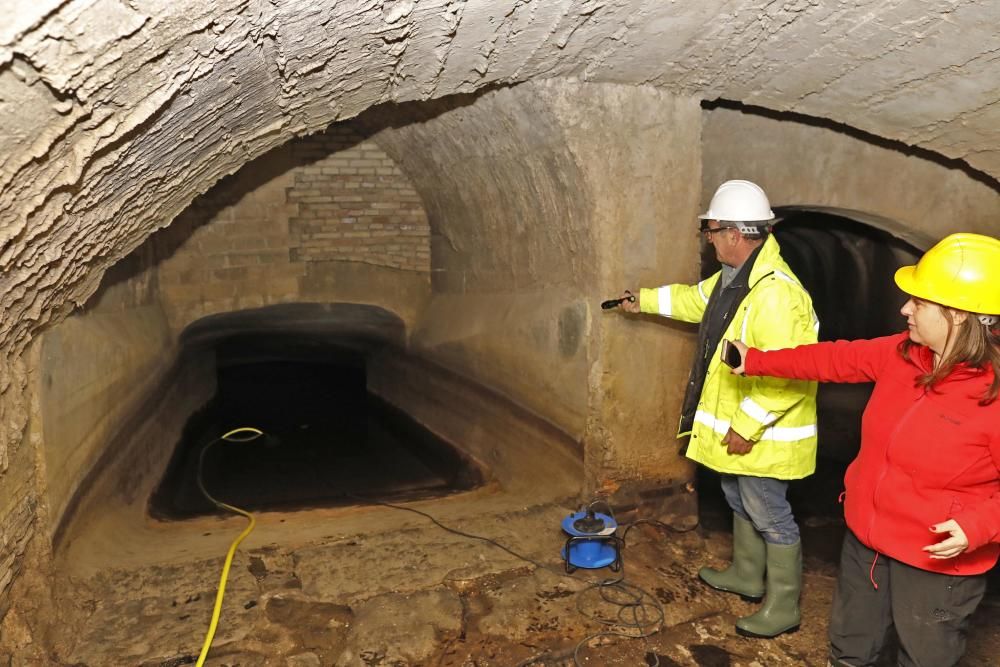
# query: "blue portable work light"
x,y
592,542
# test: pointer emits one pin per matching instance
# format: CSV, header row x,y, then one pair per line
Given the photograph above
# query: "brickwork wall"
x,y
229,250
353,203
289,227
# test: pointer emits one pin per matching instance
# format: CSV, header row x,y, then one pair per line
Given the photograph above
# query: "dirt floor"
x,y
376,586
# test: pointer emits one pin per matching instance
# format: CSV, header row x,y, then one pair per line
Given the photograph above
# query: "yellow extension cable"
x,y
248,433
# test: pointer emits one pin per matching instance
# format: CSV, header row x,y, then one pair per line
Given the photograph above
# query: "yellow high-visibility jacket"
x,y
778,415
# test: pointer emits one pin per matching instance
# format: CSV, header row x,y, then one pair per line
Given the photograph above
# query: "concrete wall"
x,y
546,199
639,152
915,195
97,370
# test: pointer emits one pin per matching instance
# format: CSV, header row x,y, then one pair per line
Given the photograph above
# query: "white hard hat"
x,y
739,201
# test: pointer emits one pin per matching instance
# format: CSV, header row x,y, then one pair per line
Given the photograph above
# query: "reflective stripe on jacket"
x,y
779,415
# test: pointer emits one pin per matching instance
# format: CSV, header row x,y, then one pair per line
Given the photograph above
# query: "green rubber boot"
x,y
780,611
745,577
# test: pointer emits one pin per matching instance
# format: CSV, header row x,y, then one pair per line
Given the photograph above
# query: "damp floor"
x,y
323,581
378,587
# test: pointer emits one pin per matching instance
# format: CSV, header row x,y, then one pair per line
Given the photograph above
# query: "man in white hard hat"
x,y
758,433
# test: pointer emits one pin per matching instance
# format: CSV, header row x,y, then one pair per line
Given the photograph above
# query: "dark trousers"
x,y
929,611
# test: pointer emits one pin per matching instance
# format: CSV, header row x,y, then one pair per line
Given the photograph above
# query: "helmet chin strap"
x,y
989,320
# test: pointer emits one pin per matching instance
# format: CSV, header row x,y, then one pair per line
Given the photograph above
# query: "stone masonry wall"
x,y
18,486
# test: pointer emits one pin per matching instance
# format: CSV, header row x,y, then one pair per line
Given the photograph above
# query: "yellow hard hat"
x,y
961,271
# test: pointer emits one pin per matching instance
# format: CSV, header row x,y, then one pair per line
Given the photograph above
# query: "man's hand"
x,y
951,547
630,303
737,443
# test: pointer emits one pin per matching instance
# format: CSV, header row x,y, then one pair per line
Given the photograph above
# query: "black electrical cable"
x,y
632,600
633,603
459,532
645,622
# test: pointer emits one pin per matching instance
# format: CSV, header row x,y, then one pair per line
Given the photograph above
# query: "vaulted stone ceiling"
x,y
114,114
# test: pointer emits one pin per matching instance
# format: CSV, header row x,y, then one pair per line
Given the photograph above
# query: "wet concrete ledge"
x,y
522,451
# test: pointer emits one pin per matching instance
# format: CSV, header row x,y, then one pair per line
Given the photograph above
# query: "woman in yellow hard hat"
x,y
922,498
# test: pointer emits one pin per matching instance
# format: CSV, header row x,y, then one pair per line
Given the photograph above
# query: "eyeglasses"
x,y
707,231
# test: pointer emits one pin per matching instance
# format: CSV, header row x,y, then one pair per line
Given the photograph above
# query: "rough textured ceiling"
x,y
114,114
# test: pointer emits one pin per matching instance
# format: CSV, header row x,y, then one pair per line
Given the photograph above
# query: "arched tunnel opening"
x,y
847,266
297,297
298,374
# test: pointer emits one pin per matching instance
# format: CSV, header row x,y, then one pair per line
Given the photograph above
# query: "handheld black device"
x,y
731,355
613,303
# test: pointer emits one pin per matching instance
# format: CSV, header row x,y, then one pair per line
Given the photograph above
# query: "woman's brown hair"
x,y
976,344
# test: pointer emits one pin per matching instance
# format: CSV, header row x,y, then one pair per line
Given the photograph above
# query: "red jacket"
x,y
926,456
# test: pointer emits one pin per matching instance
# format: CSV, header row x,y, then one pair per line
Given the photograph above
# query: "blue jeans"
x,y
762,502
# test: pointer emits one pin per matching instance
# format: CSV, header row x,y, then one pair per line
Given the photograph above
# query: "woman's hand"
x,y
742,347
950,547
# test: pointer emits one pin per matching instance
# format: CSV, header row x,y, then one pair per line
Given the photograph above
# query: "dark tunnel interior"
x,y
327,441
847,267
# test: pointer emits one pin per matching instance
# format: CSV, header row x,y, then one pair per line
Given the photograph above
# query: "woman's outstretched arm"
x,y
838,361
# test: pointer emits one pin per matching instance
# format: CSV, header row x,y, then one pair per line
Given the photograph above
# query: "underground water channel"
x,y
327,441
